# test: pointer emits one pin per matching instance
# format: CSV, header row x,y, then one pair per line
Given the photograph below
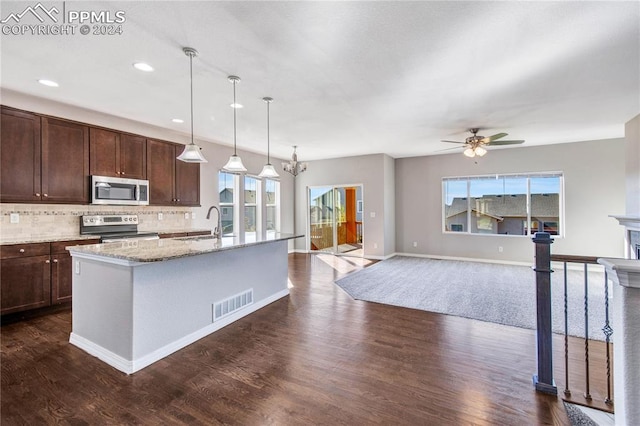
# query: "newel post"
x,y
543,381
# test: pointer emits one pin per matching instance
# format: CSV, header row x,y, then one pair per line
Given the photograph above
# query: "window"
x,y
272,203
251,203
227,188
521,204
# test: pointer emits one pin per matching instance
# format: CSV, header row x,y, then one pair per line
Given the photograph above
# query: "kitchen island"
x,y
135,302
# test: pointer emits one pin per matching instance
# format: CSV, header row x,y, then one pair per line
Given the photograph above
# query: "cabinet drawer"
x,y
23,250
60,246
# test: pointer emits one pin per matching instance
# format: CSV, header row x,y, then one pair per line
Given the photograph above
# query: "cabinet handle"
x,y
21,250
47,261
55,260
178,200
46,195
37,194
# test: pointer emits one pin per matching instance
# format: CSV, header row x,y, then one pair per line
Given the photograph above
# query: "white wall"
x,y
216,153
375,173
594,188
632,141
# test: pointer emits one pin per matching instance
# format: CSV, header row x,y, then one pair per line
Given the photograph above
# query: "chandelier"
x,y
293,166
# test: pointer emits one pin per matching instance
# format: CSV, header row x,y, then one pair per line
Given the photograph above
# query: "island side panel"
x,y
101,307
173,299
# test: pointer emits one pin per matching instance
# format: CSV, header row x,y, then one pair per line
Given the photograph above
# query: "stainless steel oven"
x,y
119,191
115,227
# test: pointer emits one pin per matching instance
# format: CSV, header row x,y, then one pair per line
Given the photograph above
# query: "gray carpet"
x,y
502,294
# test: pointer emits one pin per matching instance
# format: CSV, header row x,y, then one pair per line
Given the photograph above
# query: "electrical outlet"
x,y
15,218
375,245
186,215
193,215
159,216
372,214
77,267
415,244
500,249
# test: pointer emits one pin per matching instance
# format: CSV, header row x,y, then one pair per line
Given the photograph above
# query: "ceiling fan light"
x,y
234,164
192,154
469,152
480,151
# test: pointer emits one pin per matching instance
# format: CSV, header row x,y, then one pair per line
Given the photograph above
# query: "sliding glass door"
x,y
335,219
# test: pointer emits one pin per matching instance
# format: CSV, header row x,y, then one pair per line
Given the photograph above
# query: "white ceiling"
x,y
350,78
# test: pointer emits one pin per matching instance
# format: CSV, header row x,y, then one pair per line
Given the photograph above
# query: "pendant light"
x,y
191,153
235,163
293,166
268,171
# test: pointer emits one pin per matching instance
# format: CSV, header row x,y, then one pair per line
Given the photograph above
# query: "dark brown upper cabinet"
x,y
171,181
20,159
117,154
65,161
43,159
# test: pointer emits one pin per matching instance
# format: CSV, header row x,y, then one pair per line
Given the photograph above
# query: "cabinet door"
x,y
62,269
161,159
187,181
133,157
25,283
20,159
104,149
65,162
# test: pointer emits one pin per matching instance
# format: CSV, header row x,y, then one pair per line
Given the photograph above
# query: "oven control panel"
x,y
106,220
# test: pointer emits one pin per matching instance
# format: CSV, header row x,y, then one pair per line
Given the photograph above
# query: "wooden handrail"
x,y
573,259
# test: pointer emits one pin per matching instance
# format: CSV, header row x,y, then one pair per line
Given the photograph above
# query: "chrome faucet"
x,y
217,232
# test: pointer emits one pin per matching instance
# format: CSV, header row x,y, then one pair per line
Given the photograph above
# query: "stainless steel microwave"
x,y
120,191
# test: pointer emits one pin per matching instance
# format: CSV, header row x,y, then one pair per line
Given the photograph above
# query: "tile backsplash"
x,y
58,220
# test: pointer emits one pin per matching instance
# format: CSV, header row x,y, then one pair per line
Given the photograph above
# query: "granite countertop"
x,y
144,251
45,239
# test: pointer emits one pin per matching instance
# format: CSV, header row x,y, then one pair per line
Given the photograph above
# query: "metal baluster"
x,y
567,392
608,331
587,394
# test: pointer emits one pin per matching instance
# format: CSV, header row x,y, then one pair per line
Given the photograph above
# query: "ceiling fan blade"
x,y
505,143
449,149
453,142
494,137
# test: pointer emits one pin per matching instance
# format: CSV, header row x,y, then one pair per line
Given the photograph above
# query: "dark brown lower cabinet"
x,y
36,275
25,277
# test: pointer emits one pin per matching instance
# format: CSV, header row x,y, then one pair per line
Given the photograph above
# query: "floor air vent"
x,y
234,303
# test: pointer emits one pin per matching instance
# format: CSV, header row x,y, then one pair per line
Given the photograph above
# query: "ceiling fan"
x,y
475,145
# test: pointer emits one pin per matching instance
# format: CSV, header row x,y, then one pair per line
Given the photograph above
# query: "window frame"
x,y
234,204
276,204
467,227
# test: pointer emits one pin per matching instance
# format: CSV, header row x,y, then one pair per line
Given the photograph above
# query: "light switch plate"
x,y
15,218
186,215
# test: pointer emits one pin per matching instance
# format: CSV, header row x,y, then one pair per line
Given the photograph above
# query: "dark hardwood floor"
x,y
315,357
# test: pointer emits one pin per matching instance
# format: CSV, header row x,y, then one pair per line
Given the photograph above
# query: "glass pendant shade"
x,y
480,151
191,153
268,171
469,152
235,163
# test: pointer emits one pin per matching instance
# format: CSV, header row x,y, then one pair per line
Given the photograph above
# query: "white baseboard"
x,y
131,366
467,259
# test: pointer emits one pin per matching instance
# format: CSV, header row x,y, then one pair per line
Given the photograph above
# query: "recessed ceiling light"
x,y
49,83
143,67
178,120
236,105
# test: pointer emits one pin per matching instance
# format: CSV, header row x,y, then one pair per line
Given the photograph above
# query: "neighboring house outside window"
x,y
228,186
272,204
251,203
503,204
